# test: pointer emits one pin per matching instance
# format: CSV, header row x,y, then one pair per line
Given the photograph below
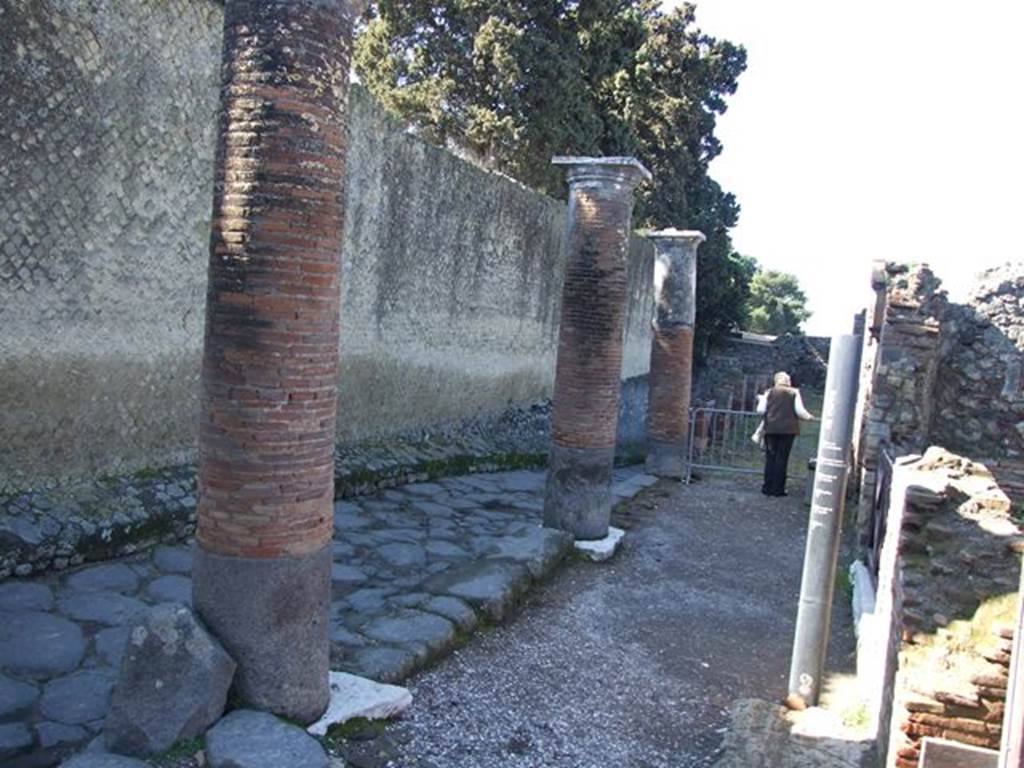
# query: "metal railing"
x,y
879,509
720,440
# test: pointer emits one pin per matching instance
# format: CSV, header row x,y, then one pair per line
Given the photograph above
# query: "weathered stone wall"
x,y
945,373
451,281
979,396
744,364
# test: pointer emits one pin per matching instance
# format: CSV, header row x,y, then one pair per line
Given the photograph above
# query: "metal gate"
x,y
720,440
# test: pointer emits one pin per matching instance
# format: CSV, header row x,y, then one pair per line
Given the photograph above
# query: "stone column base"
x,y
666,459
271,615
578,497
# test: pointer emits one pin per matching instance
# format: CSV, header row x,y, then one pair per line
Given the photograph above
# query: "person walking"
x,y
783,410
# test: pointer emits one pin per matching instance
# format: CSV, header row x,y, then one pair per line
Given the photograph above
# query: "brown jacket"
x,y
780,414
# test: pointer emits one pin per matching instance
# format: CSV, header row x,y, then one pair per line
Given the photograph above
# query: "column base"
x,y
602,549
578,496
666,459
271,615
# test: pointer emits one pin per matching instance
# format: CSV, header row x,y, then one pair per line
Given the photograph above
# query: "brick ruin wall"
x,y
947,594
942,373
452,276
938,373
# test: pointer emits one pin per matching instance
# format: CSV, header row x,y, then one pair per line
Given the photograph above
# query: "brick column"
x,y
270,361
587,375
675,294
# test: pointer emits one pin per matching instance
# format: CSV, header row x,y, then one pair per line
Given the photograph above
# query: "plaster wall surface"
x,y
451,275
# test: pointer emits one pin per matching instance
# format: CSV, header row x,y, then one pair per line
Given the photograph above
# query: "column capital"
x,y
603,171
682,236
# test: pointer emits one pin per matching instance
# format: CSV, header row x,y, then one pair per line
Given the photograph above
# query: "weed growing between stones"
x,y
183,750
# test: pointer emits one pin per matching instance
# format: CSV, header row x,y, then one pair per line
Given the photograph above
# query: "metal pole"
x,y
1011,751
825,522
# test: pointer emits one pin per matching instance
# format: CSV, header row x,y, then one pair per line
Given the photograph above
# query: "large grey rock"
x,y
16,698
107,608
492,586
34,643
173,684
15,739
25,596
77,699
102,760
115,577
249,739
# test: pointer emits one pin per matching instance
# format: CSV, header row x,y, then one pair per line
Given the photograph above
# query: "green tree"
x,y
513,82
777,304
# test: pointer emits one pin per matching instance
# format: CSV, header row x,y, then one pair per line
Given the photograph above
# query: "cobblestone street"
x,y
415,569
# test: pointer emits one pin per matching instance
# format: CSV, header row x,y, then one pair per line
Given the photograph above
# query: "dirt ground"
x,y
629,663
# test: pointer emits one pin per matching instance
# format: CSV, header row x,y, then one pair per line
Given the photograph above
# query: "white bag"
x,y
758,437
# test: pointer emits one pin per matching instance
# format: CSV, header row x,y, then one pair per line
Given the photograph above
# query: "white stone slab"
x,y
599,550
353,696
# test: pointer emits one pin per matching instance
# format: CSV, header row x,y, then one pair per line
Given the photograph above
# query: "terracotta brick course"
x,y
270,361
670,380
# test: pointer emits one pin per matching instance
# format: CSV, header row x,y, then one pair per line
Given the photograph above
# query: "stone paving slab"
x,y
416,567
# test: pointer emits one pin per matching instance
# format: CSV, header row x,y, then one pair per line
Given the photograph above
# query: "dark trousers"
x,y
776,462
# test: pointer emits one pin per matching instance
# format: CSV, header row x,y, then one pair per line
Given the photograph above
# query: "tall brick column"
x,y
586,401
669,381
270,362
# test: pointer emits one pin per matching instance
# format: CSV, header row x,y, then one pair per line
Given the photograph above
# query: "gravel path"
x,y
629,663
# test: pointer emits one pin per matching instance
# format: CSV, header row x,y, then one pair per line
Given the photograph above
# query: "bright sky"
x,y
874,129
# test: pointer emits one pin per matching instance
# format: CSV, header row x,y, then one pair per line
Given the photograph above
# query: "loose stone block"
x,y
173,684
250,739
586,392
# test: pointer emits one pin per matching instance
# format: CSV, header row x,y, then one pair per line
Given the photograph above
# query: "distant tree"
x,y
513,82
777,304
